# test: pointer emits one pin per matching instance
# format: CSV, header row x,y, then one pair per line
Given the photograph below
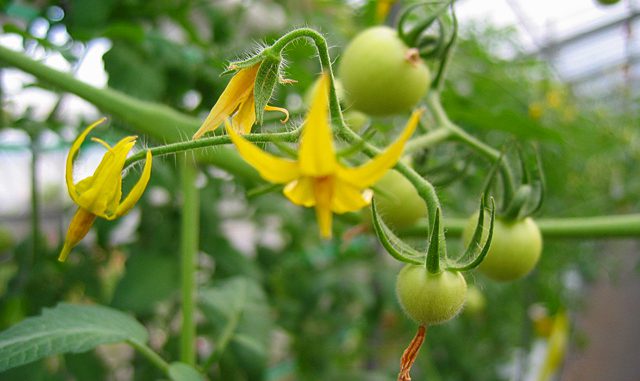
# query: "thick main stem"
x,y
190,227
160,122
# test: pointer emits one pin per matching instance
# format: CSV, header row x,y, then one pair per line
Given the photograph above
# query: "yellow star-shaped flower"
x,y
317,179
238,102
100,194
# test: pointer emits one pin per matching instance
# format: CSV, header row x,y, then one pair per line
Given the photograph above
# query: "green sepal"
x,y
476,240
266,80
436,249
397,248
516,205
541,186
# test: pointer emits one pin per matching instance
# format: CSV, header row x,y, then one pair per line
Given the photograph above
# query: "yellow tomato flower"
x,y
317,179
100,194
238,100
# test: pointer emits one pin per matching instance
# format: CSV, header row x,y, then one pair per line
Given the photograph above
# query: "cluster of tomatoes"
x,y
382,76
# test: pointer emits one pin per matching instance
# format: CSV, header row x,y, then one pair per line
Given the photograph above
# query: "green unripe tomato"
x,y
381,75
430,298
608,2
397,201
515,248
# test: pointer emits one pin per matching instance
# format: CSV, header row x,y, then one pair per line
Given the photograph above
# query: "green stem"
x,y
190,227
167,149
427,140
433,101
438,81
157,121
151,355
597,227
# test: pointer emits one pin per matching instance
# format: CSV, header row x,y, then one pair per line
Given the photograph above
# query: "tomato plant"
x,y
381,75
515,248
430,298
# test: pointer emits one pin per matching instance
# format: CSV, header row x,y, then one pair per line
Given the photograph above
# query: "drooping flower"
x,y
317,179
238,102
100,195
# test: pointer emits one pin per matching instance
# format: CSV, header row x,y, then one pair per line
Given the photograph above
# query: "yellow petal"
x,y
316,153
301,192
371,171
270,167
78,228
100,194
347,198
324,219
75,147
323,189
245,118
239,89
137,190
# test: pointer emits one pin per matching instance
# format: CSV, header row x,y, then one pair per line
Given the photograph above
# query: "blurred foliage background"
x,y
303,309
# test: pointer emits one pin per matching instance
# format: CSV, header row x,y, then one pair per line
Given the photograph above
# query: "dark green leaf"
x,y
66,328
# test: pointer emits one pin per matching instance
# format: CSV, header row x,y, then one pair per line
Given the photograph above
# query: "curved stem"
x,y
492,154
425,189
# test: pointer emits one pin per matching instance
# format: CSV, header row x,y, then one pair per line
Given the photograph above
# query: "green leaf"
x,y
179,371
66,328
238,310
148,280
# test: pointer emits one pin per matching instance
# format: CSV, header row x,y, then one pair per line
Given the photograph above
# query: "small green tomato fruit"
x,y
397,201
381,75
430,298
515,248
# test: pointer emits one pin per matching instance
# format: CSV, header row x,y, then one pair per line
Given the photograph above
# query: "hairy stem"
x,y
172,148
159,122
